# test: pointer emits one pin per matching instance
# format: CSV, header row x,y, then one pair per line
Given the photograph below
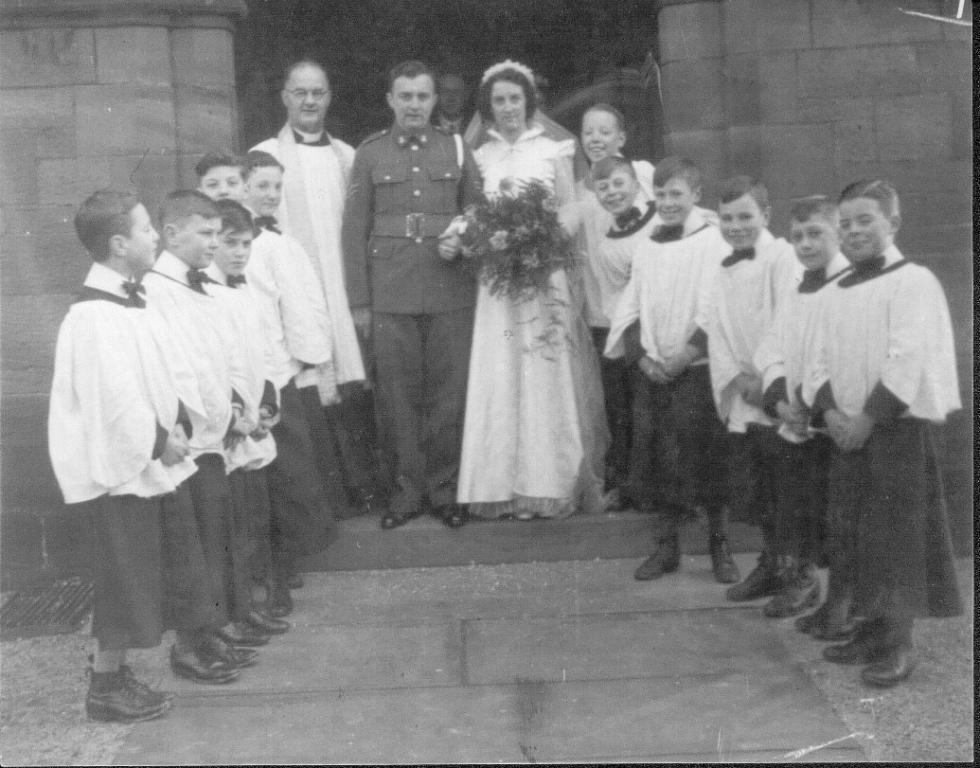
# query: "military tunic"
x,y
405,189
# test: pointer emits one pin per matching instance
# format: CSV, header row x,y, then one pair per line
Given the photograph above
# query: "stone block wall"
x,y
812,94
93,93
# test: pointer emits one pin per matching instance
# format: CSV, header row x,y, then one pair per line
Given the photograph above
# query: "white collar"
x,y
837,263
170,266
892,255
216,273
102,278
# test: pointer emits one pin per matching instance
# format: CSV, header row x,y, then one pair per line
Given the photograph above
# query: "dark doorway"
x,y
588,51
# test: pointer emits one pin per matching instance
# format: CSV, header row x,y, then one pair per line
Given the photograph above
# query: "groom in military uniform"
x,y
407,289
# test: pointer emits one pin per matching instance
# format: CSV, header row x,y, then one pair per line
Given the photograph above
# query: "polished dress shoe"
x,y
452,515
231,655
891,668
111,698
295,581
244,634
722,565
280,602
267,624
802,592
399,516
762,581
857,651
151,695
666,559
191,664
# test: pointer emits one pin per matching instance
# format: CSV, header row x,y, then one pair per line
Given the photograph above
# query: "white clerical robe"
x,y
893,328
109,394
294,312
249,343
312,209
745,301
790,339
670,290
193,320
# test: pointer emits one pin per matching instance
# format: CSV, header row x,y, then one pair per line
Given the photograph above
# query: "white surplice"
x,y
109,392
745,301
312,209
534,433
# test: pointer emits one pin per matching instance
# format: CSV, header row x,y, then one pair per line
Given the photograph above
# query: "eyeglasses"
x,y
301,93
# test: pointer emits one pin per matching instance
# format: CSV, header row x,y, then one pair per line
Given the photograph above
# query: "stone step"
x,y
426,542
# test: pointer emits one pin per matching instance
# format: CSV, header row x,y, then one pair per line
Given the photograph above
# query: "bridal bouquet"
x,y
513,240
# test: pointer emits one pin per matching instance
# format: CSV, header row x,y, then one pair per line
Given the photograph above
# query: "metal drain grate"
x,y
52,610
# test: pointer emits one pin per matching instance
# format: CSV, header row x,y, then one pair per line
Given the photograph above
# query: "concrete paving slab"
x,y
341,657
618,646
524,722
525,589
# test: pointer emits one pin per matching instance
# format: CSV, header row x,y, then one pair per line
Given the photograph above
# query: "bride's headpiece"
x,y
505,65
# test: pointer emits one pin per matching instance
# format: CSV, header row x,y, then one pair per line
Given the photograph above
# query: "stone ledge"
x,y
21,14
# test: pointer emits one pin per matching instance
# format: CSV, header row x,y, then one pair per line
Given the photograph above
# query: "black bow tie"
x,y
741,254
267,222
323,141
874,264
667,233
626,218
813,280
133,292
196,278
235,280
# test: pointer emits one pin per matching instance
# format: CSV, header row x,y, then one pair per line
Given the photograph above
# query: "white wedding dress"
x,y
535,432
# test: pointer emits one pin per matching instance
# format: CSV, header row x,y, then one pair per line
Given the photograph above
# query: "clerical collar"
x,y
321,139
634,224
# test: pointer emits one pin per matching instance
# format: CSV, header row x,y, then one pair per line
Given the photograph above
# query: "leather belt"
x,y
415,226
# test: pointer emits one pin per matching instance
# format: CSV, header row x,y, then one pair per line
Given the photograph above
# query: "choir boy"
x,y
659,327
754,268
801,468
221,176
298,334
884,372
246,458
176,290
115,442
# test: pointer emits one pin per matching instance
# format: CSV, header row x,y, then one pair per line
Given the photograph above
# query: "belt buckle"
x,y
414,224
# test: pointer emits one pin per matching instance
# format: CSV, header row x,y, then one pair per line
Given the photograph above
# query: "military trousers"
x,y
422,364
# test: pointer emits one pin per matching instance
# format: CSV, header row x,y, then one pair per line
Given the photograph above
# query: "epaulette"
x,y
375,136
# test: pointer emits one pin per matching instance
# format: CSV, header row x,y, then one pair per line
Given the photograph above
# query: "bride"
x,y
534,433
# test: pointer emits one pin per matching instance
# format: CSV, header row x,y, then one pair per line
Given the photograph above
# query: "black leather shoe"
x,y
151,695
244,634
761,582
891,668
452,515
280,602
113,700
834,628
801,593
394,518
189,664
295,581
857,651
666,559
722,565
267,623
232,656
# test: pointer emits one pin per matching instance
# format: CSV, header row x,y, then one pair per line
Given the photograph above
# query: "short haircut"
x,y
883,192
674,167
508,76
410,69
185,203
304,62
610,110
234,216
605,168
738,186
815,206
220,158
259,159
103,215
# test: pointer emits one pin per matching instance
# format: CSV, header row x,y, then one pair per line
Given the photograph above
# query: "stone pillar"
x,y
94,93
810,95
